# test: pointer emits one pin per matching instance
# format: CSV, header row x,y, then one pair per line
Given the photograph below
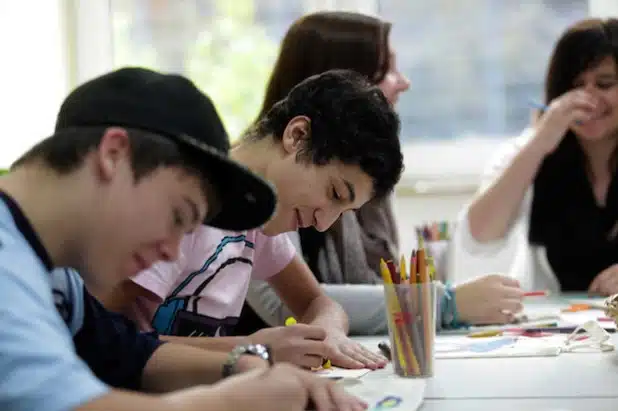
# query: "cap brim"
x,y
245,200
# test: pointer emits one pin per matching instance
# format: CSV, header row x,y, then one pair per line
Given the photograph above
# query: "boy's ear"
x,y
113,149
296,133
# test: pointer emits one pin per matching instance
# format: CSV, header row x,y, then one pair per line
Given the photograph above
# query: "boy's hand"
x,y
287,388
299,344
346,353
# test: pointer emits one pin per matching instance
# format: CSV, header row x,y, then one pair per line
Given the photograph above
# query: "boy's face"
x,y
311,195
138,223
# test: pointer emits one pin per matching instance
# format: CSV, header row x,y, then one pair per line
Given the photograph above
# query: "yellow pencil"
x,y
292,321
386,274
432,268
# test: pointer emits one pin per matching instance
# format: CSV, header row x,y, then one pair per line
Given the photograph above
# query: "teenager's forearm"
x,y
192,399
177,366
225,344
492,213
326,313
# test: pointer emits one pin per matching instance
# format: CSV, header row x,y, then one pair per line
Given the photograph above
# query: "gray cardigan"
x,y
349,265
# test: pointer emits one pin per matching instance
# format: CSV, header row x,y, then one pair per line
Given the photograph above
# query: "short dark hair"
x,y
66,150
351,121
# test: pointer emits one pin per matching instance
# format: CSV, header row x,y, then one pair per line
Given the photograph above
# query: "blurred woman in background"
x,y
554,190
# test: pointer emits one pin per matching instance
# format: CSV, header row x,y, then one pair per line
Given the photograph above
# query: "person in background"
x,y
133,165
316,179
345,258
553,191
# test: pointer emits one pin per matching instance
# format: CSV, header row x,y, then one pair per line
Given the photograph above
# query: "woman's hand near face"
x,y
574,106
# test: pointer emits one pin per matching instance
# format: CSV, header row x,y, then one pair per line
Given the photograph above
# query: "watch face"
x,y
259,350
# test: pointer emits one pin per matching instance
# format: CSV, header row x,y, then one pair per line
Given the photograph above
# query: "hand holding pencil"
x,y
570,110
492,299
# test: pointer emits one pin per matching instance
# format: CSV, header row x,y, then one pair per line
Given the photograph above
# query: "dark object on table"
x,y
385,349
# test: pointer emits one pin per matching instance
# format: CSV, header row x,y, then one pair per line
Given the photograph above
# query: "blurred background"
x,y
474,66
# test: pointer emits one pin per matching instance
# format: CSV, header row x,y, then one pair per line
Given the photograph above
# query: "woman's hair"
x,y
582,46
324,41
316,43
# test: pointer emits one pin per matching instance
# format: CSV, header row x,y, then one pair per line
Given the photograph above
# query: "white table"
x,y
578,381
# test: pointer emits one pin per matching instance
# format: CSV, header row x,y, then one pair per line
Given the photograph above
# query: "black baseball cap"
x,y
172,106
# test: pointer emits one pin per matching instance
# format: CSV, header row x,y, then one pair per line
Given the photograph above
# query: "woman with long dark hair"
x,y
554,190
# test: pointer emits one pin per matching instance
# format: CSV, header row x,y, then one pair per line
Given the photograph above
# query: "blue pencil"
x,y
543,108
538,106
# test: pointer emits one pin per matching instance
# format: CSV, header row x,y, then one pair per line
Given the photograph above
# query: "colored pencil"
x,y
411,309
536,293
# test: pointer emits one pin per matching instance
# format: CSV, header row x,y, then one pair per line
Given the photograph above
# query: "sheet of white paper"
x,y
383,390
491,347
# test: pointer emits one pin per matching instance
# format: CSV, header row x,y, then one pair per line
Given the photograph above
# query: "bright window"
x,y
33,73
474,64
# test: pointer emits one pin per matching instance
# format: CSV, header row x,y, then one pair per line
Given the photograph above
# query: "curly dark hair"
x,y
350,121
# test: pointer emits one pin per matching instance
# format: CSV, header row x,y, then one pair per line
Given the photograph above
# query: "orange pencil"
x,y
413,268
425,303
421,261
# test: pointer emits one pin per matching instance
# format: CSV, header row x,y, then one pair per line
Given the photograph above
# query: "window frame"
x,y
458,167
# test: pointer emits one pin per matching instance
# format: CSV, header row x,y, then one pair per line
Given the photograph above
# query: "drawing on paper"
x,y
387,403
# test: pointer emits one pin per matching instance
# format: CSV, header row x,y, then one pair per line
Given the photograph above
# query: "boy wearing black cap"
x,y
138,160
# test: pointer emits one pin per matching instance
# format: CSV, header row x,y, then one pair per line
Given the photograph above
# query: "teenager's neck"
x,y
255,154
51,206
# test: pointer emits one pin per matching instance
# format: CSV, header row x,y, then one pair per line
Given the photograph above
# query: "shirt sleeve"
x,y
39,369
116,351
272,254
161,277
493,171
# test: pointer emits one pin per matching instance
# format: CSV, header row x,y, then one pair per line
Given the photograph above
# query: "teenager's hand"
x,y
346,353
285,387
606,282
300,344
574,106
492,299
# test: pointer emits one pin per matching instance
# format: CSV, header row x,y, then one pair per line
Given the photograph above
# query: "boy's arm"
x,y
123,357
225,344
300,291
298,288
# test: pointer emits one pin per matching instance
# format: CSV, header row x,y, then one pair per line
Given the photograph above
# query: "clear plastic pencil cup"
x,y
411,314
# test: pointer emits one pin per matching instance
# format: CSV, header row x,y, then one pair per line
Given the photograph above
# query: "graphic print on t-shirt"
x,y
178,314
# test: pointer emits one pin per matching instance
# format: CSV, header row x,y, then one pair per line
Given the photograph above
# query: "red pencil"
x,y
536,294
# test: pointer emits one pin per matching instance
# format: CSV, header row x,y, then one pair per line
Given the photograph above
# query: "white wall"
x,y
413,210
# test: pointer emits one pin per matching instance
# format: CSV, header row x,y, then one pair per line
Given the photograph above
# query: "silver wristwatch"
x,y
259,350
